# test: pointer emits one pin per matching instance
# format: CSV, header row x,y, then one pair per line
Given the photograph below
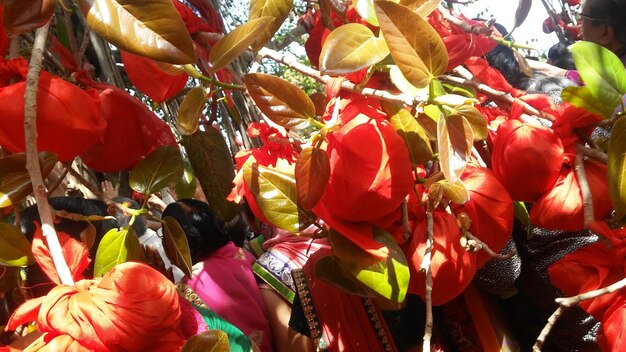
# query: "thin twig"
x,y
428,328
32,159
405,220
84,43
293,63
474,243
593,153
567,302
67,19
579,168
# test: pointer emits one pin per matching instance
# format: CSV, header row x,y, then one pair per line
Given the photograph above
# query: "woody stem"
x,y
32,159
428,329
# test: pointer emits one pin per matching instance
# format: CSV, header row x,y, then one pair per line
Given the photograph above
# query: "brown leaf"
x,y
88,235
476,120
456,193
312,174
209,341
15,182
523,8
281,101
152,29
234,43
455,139
320,102
277,9
176,245
415,46
190,111
21,16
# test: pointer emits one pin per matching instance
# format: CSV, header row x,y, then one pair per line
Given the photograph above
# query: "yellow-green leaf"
x,y
312,174
14,247
412,132
213,166
365,9
415,46
350,48
277,9
21,16
329,270
190,111
281,101
616,164
421,7
152,29
398,79
160,169
176,245
387,277
457,193
186,187
234,43
208,341
116,247
15,182
582,98
275,193
455,139
475,119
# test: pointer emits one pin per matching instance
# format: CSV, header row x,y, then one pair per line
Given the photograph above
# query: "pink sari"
x,y
224,281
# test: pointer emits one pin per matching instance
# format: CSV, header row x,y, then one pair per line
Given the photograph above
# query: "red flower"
x,y
150,79
489,207
561,208
132,308
370,170
133,131
569,118
67,120
451,265
526,159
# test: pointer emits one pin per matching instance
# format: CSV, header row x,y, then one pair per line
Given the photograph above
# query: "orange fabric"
x,y
451,265
132,308
526,159
76,255
561,208
67,120
489,207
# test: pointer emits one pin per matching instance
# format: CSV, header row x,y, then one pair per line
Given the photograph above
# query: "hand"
x,y
108,191
156,204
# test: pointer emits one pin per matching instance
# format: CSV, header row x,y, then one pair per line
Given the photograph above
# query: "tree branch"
x,y
32,158
579,168
474,244
567,302
428,329
593,153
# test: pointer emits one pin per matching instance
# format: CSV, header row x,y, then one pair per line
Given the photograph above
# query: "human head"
x,y
503,59
603,23
205,233
560,56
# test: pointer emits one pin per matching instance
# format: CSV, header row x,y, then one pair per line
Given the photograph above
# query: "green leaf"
x,y
602,72
350,48
229,47
389,277
365,9
116,247
455,139
190,111
14,247
521,214
152,29
282,102
398,79
277,9
329,270
275,194
582,98
415,46
15,182
21,16
312,174
616,164
213,166
186,187
208,341
414,135
176,245
162,168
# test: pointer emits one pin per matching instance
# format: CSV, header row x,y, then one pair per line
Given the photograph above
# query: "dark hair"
x,y
140,224
611,12
205,233
560,56
502,59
